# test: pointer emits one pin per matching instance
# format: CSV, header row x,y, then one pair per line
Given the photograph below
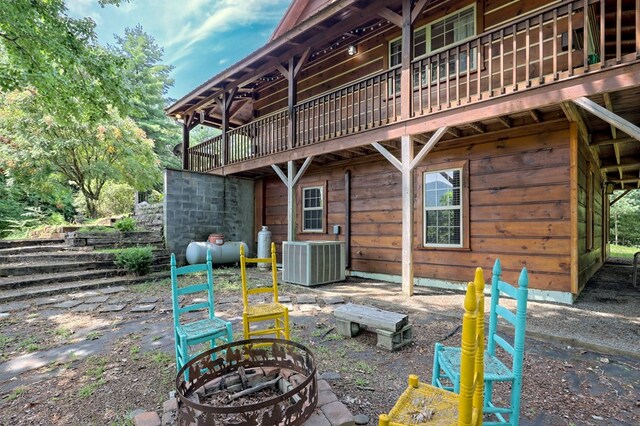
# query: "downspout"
x,y
347,218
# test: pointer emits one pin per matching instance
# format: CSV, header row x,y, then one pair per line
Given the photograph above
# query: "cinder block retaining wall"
x,y
198,204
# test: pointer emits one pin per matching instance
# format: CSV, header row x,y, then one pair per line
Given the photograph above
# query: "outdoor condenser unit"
x,y
313,262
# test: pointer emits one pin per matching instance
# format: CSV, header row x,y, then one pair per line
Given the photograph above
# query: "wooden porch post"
x,y
290,180
224,154
406,166
291,201
407,56
407,215
224,103
293,99
185,143
291,74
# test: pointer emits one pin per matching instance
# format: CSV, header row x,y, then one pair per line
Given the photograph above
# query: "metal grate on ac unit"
x,y
312,263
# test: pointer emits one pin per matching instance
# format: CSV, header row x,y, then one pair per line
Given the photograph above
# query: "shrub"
x,y
155,197
135,259
126,224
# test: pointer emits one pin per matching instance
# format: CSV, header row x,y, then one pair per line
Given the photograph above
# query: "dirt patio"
x,y
73,364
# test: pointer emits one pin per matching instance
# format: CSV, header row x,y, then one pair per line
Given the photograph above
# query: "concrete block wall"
x,y
198,204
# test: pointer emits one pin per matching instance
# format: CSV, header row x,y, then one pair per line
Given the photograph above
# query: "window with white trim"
x,y
449,30
443,208
312,209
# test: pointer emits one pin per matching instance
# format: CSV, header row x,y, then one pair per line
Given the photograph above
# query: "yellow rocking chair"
x,y
424,404
259,312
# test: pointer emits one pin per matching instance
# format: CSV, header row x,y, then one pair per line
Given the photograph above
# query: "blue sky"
x,y
200,37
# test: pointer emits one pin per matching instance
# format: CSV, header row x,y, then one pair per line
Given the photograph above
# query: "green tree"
x,y
148,81
79,151
624,223
44,50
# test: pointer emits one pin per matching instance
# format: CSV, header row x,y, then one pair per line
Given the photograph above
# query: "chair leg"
x,y
178,353
488,392
435,377
514,416
286,324
245,326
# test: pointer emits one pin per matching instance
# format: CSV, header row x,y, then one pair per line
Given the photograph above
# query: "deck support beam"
x,y
608,116
185,145
406,165
290,180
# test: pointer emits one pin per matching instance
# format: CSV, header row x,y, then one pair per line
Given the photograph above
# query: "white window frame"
x,y
320,208
471,57
460,207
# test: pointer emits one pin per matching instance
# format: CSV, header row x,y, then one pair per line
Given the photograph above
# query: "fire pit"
x,y
248,382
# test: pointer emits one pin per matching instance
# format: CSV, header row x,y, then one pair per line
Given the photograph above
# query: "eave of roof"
x,y
325,13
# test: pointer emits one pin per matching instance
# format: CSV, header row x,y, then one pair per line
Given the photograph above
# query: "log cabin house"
x,y
438,134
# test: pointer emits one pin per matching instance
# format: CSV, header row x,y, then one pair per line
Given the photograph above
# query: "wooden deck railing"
x,y
264,136
537,49
206,155
368,103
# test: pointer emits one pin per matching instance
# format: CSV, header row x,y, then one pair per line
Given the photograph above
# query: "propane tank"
x,y
229,252
264,246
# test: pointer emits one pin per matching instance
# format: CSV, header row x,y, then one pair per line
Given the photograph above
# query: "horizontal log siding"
x,y
589,260
519,209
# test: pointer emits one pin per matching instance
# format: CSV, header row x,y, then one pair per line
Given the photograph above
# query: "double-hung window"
x,y
443,208
449,30
313,209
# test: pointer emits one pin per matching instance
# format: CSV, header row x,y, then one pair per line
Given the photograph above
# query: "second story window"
x,y
437,35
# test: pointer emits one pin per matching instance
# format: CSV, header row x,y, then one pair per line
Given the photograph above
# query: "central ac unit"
x,y
313,262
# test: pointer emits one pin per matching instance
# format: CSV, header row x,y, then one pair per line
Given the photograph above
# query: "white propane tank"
x,y
264,246
229,252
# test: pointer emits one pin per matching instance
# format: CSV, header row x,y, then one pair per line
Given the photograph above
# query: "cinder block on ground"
x,y
150,418
317,419
391,341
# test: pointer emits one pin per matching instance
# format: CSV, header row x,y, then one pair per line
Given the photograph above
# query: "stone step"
x,y
40,249
57,256
4,244
26,268
60,277
61,288
62,255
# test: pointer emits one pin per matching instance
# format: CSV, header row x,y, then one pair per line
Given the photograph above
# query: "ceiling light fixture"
x,y
352,49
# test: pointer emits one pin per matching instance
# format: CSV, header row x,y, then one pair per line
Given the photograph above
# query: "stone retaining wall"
x,y
149,216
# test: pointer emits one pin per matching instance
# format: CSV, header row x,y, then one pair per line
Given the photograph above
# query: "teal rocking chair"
x,y
446,360
199,331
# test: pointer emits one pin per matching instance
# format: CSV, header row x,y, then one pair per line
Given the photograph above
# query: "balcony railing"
x,y
550,45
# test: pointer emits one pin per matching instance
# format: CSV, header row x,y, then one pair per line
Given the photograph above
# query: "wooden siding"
x,y
589,215
519,209
335,68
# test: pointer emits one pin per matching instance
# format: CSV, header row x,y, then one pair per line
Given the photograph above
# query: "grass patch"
x,y
623,251
150,286
93,335
361,382
91,229
364,367
63,333
5,341
161,358
227,285
89,389
16,393
30,344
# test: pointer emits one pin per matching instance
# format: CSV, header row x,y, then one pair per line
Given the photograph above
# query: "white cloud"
x,y
223,61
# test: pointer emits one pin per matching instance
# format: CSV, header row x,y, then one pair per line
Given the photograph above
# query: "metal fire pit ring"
x,y
264,352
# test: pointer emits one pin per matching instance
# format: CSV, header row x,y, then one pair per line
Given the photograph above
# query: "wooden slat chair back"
x,y
272,311
425,404
446,367
190,333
